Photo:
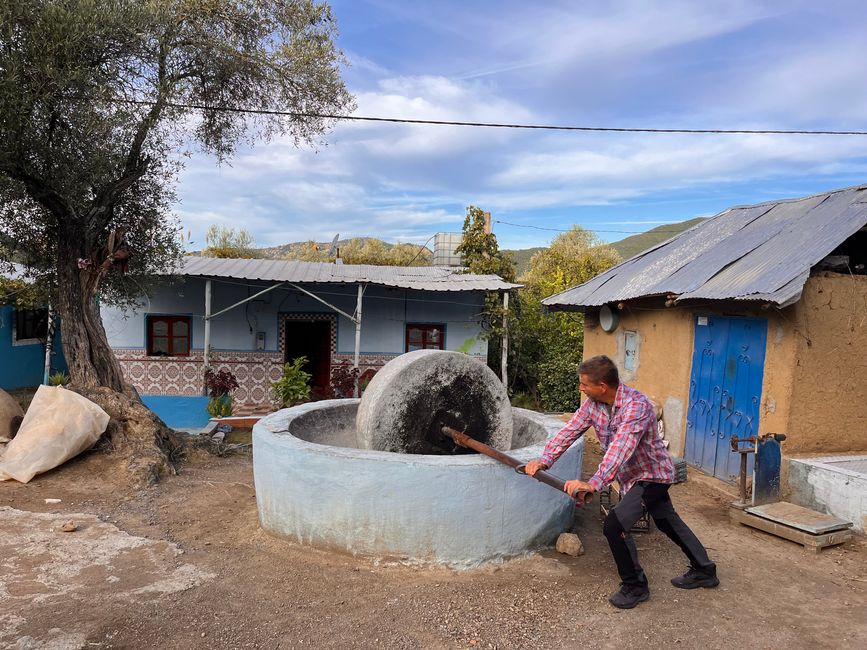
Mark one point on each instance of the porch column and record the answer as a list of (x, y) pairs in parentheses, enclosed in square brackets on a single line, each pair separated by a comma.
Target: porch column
[(207, 354), (505, 345), (355, 391)]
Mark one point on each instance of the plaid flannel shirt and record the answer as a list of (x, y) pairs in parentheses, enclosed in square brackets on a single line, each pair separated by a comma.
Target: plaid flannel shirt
[(629, 437)]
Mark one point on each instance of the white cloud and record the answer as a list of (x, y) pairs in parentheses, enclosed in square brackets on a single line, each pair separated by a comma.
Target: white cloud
[(637, 63), (315, 197), (819, 83), (544, 39), (639, 166), (414, 217)]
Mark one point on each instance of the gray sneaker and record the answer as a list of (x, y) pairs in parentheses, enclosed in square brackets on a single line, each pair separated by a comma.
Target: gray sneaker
[(695, 578), (629, 596)]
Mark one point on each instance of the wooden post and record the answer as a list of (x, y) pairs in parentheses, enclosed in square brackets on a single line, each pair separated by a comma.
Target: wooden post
[(207, 354)]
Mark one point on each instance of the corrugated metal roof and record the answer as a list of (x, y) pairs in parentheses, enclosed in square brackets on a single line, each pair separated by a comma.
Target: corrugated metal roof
[(758, 252), (422, 278)]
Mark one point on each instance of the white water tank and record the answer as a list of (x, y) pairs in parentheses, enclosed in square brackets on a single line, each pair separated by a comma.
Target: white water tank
[(445, 244)]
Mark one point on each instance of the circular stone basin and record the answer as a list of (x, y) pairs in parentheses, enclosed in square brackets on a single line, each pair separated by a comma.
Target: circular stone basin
[(314, 487)]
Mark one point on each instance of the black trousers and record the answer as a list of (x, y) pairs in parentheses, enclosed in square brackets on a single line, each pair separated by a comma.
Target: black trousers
[(652, 497)]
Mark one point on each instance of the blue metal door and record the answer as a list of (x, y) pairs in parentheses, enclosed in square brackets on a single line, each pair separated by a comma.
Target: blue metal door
[(725, 391)]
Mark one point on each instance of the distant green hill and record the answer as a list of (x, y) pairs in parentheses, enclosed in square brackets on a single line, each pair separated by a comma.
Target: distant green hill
[(635, 244), (522, 257), (627, 247), (280, 252)]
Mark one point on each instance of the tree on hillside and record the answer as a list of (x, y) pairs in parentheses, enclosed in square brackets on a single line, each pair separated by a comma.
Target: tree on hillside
[(572, 258), (96, 107), (365, 250), (547, 348), (409, 255), (309, 251), (226, 242)]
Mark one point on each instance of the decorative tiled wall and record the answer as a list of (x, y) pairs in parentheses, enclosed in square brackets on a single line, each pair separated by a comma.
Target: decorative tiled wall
[(255, 371)]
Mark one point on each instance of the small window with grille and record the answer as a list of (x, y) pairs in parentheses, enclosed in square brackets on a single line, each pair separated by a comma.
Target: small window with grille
[(168, 336), (31, 326)]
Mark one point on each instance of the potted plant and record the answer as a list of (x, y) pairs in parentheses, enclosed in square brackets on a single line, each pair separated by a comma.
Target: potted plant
[(294, 386), (220, 385)]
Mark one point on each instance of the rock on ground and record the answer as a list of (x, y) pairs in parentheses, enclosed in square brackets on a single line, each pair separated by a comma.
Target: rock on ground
[(570, 544)]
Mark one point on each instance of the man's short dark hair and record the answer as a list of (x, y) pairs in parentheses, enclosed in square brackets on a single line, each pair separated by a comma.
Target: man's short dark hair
[(600, 369)]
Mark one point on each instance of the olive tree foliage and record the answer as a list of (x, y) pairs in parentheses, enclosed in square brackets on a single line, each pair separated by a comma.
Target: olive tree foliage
[(100, 101), (226, 242), (546, 349)]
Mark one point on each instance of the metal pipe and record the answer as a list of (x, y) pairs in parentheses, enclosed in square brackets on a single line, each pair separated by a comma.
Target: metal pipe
[(324, 302), (542, 476), (239, 303), (49, 345)]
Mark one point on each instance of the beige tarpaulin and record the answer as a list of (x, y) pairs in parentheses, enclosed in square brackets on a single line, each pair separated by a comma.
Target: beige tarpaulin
[(58, 425)]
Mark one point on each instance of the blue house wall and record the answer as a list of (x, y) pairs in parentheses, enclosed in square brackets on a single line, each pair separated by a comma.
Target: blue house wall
[(22, 364), (386, 314)]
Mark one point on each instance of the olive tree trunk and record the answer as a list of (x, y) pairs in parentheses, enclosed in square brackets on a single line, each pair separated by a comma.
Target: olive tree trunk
[(135, 435)]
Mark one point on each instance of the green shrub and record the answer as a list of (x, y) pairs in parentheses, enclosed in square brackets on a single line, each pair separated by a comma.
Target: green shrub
[(221, 406), (558, 382), (294, 386), (58, 378)]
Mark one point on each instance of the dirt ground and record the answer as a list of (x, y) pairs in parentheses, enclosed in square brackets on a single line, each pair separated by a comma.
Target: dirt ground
[(185, 565)]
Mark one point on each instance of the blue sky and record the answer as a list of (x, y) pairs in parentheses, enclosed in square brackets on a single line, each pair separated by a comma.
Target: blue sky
[(727, 64)]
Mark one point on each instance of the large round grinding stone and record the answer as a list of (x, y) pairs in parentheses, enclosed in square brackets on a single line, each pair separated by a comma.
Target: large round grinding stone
[(408, 399)]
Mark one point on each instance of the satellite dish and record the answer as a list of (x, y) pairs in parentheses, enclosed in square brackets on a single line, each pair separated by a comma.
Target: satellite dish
[(609, 318), (333, 250)]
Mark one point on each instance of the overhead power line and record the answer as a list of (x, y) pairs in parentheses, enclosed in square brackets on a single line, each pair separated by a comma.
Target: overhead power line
[(492, 125)]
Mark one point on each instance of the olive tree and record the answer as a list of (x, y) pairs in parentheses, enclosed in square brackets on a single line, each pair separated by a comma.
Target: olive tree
[(99, 104), (547, 348)]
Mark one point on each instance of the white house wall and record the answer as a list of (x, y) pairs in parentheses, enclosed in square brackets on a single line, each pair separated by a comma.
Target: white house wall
[(385, 313)]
